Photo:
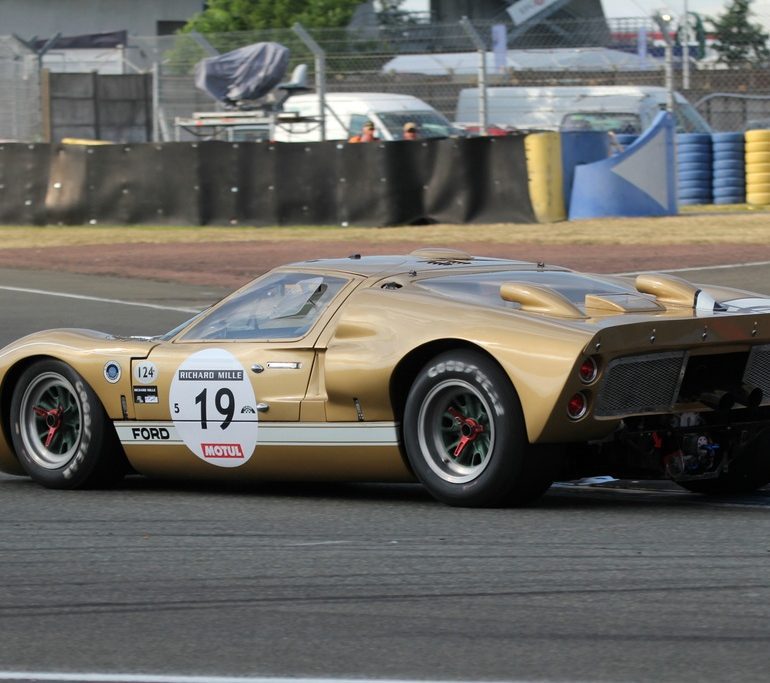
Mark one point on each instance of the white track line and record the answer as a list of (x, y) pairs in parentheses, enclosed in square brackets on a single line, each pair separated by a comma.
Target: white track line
[(99, 299), (172, 678), (685, 270)]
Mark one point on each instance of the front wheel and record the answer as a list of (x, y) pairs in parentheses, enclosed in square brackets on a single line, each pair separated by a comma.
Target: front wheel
[(465, 436), (60, 431)]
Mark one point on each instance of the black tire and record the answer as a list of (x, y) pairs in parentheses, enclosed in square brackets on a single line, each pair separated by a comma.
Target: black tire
[(60, 432), (748, 472), (465, 436)]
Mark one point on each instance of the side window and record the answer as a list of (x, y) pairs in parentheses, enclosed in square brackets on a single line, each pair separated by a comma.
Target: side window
[(280, 306)]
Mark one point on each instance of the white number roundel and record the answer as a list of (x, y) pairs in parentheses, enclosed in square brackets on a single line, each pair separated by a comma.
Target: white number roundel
[(146, 372), (213, 408)]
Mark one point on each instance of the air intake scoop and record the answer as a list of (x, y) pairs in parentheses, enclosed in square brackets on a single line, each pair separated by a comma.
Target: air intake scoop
[(536, 299), (668, 289)]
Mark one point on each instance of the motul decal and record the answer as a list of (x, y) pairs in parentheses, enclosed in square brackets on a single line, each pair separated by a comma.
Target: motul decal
[(222, 450)]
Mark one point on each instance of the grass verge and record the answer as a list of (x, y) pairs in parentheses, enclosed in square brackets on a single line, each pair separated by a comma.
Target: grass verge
[(695, 227)]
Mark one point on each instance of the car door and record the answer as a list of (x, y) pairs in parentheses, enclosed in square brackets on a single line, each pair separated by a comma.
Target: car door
[(247, 361)]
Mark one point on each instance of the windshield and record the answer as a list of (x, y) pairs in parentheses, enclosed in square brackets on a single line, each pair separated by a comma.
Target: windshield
[(282, 305), (605, 122), (430, 124), (688, 120)]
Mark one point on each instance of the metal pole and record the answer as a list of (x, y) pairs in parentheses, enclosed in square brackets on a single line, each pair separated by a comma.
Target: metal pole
[(156, 101), (96, 105), (686, 49), (482, 75), (320, 71), (664, 24), (669, 76)]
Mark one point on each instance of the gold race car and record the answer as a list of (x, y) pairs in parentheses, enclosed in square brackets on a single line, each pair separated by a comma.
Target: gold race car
[(484, 379)]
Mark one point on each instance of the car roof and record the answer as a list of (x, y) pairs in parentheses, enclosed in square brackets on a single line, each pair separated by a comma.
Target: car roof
[(421, 260), (368, 97)]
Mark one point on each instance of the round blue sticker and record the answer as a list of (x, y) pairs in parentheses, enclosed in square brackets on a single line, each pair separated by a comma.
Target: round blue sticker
[(112, 371)]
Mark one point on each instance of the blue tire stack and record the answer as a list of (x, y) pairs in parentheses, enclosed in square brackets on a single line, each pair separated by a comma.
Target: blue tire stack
[(694, 166), (729, 168)]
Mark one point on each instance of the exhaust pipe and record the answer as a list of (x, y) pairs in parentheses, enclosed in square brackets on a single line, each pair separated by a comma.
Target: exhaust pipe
[(718, 400), (749, 395)]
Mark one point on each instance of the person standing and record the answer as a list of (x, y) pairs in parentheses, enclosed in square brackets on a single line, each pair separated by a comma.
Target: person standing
[(366, 135), (411, 131)]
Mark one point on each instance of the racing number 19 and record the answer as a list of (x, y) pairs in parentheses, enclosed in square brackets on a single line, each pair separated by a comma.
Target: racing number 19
[(224, 407)]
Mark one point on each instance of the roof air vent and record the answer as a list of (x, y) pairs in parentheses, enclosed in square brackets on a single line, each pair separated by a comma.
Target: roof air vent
[(437, 254)]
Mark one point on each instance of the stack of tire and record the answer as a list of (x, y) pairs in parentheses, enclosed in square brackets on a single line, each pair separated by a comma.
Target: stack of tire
[(758, 167), (729, 174), (694, 167)]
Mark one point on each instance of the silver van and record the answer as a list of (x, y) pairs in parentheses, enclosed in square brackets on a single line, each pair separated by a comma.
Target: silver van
[(626, 109)]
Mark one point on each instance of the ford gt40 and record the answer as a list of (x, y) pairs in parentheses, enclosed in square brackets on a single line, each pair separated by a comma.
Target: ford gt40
[(484, 379)]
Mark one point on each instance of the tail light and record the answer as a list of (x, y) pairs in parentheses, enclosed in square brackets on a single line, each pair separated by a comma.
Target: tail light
[(577, 406), (588, 370)]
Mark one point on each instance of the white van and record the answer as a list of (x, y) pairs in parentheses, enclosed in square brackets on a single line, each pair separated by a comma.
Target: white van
[(347, 112), (620, 109)]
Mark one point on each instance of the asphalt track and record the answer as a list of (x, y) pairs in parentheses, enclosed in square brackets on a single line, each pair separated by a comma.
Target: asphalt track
[(629, 582)]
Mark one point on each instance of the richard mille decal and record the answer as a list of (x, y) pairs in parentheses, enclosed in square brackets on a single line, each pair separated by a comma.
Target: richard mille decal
[(146, 394)]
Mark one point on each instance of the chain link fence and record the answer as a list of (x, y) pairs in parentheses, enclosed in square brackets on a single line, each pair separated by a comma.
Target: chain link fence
[(432, 62), (20, 96)]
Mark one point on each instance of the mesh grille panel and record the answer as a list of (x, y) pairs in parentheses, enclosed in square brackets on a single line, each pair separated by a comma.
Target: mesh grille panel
[(640, 384), (758, 370)]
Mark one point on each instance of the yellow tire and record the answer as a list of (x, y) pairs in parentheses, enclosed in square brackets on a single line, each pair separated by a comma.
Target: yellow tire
[(758, 167), (757, 179), (752, 147), (758, 157), (758, 198), (544, 168), (757, 136), (757, 190)]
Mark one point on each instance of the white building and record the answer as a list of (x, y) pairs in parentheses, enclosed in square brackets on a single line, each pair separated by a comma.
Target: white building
[(46, 18)]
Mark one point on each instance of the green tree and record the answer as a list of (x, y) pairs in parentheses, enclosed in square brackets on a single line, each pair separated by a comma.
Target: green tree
[(224, 16), (738, 39)]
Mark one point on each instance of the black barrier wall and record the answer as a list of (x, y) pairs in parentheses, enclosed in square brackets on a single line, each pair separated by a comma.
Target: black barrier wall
[(474, 180)]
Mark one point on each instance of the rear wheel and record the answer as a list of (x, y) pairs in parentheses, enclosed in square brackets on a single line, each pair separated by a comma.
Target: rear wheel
[(60, 431), (748, 471), (465, 436)]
